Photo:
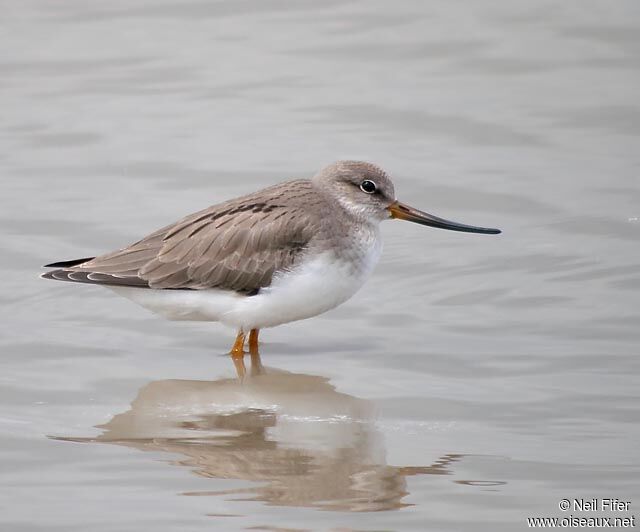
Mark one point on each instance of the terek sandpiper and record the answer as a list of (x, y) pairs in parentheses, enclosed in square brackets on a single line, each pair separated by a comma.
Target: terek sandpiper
[(284, 253)]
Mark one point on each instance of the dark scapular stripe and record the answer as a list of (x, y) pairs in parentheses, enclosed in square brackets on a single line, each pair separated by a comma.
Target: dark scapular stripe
[(68, 263)]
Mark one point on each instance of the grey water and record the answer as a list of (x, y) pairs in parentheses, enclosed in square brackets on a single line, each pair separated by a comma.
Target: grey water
[(473, 382)]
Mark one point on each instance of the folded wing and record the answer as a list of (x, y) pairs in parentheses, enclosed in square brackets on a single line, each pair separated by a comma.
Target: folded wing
[(238, 245)]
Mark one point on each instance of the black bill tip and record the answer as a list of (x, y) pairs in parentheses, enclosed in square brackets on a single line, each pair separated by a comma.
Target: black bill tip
[(402, 211)]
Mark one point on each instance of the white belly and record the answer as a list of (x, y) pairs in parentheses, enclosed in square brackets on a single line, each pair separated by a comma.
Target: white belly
[(190, 305), (318, 285)]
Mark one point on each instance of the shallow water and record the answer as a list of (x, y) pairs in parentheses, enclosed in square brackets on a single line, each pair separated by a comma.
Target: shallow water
[(473, 382)]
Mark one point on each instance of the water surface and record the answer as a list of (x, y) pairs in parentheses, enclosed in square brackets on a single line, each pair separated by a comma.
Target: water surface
[(473, 382)]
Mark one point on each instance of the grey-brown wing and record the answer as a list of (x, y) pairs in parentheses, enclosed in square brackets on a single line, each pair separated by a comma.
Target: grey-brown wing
[(237, 245)]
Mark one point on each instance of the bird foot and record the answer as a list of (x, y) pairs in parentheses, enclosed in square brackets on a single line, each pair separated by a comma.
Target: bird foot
[(237, 354)]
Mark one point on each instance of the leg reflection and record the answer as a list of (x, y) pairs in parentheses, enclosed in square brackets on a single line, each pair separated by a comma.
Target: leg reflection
[(256, 365)]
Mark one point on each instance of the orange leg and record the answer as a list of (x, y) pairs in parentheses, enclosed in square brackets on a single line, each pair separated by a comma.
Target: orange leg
[(256, 363), (238, 346), (253, 341), (237, 355)]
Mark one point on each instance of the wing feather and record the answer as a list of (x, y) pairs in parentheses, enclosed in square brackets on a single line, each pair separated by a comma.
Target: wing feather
[(237, 245)]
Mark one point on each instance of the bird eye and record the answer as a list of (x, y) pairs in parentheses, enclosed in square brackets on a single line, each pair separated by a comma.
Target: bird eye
[(368, 186)]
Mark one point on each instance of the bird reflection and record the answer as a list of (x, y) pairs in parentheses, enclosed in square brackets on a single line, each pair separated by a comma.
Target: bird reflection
[(304, 442)]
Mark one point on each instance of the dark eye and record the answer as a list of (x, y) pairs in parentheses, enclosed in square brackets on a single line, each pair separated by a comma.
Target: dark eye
[(368, 186)]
